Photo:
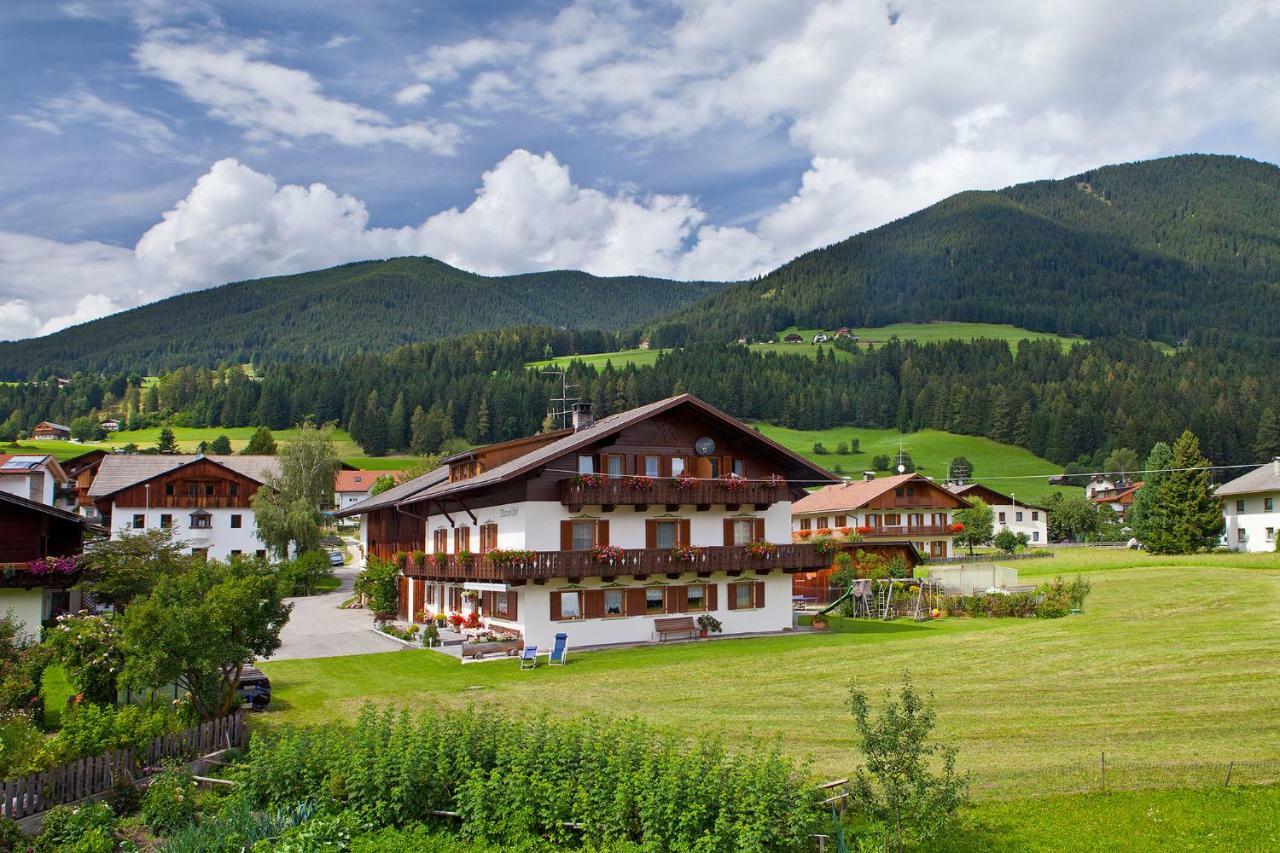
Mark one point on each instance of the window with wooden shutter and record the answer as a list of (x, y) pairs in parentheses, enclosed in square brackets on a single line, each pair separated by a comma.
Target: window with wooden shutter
[(728, 532), (566, 605), (582, 534), (555, 606), (842, 521), (593, 604), (634, 602), (685, 538), (806, 523), (655, 600), (758, 524), (695, 597), (743, 595), (602, 533), (759, 594), (440, 540), (676, 600), (614, 601), (488, 537), (461, 539), (712, 603), (651, 533)]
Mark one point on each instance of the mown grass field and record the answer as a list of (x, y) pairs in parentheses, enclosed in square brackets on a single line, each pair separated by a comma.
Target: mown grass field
[(932, 452), (1172, 670)]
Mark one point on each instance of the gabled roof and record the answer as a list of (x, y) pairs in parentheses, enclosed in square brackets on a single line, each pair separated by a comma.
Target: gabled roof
[(122, 470), (359, 481), (51, 511), (53, 425), (855, 494), (1265, 478), (397, 494), (1123, 495), (13, 464), (602, 429), (977, 490)]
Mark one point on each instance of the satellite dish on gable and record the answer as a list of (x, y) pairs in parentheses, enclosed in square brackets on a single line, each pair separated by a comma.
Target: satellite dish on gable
[(902, 469), (704, 446)]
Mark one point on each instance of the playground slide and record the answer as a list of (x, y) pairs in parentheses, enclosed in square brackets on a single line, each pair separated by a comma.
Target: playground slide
[(833, 605)]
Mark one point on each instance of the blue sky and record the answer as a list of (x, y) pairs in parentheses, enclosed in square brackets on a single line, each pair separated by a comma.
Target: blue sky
[(153, 147)]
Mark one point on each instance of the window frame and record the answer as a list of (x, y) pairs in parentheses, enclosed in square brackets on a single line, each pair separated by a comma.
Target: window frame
[(688, 598), (661, 600), (237, 521), (166, 520), (138, 522), (661, 524), (593, 537), (586, 463), (621, 592), (578, 605), (205, 521)]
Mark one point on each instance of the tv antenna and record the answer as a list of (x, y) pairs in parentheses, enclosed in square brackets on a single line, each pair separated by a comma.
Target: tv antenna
[(562, 412)]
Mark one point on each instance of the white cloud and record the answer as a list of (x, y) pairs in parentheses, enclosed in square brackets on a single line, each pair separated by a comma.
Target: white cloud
[(415, 93), (81, 106), (279, 104), (237, 223), (446, 62), (338, 40)]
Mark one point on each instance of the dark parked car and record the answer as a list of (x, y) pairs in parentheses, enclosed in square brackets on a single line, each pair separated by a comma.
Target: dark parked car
[(254, 688), (335, 558)]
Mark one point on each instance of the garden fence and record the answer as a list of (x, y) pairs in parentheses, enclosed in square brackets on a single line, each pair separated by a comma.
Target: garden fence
[(85, 777)]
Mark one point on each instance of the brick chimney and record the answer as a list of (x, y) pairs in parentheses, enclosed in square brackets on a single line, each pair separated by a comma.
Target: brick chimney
[(582, 417)]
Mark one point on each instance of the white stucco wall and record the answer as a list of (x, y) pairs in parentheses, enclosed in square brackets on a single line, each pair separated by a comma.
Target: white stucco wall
[(221, 539), (20, 485), (1254, 521), (27, 606), (346, 499), (1034, 522)]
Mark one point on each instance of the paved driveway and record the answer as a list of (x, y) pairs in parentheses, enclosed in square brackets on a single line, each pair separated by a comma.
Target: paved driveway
[(319, 628)]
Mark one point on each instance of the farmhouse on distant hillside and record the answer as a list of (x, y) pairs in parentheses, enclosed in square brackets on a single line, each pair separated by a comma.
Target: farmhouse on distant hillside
[(1119, 498), (1008, 512), (793, 338), (34, 588), (1250, 503), (351, 487), (110, 425), (908, 507), (204, 500), (820, 338), (620, 530), (48, 430)]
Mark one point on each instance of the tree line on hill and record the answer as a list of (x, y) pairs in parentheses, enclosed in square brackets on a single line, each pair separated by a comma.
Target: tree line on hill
[(1076, 407)]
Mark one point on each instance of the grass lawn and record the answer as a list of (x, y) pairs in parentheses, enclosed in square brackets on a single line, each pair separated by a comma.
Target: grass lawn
[(932, 451), (1070, 560), (1172, 671), (927, 333), (187, 437), (54, 691)]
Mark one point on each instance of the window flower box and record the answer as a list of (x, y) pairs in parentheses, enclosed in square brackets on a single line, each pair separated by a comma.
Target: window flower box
[(734, 483), (956, 527), (510, 557), (761, 549), (590, 480), (54, 566), (638, 483), (609, 554), (777, 480), (804, 534), (686, 553), (684, 481), (864, 529)]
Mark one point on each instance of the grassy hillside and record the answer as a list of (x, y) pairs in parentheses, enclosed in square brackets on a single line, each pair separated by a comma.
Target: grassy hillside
[(371, 306), (1151, 673), (932, 452), (1163, 250)]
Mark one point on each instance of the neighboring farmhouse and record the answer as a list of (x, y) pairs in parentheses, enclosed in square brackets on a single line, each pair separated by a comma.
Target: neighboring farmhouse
[(1007, 512), (608, 532), (1250, 503), (905, 507), (35, 476), (48, 430), (1119, 497), (351, 487), (204, 500)]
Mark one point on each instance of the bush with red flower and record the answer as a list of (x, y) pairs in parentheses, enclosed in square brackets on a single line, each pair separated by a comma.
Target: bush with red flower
[(457, 620), (955, 527), (608, 554), (864, 529), (824, 531), (590, 480), (686, 553), (473, 620)]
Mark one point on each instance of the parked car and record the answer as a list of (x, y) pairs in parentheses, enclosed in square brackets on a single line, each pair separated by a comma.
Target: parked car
[(335, 558), (254, 688)]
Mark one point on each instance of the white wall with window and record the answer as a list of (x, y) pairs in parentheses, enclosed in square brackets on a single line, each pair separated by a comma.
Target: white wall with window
[(220, 533), (1252, 521), (1021, 518)]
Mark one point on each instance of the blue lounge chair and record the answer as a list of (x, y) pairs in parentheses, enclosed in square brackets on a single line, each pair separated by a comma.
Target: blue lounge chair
[(529, 658), (560, 651)]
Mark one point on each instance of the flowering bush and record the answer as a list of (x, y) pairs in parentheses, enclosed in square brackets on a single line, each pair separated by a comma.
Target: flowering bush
[(688, 553), (63, 566), (824, 531), (845, 531), (637, 482), (955, 527), (590, 480), (825, 545), (609, 553), (473, 620), (760, 548), (457, 620), (684, 481), (710, 624), (88, 827), (88, 647), (169, 803)]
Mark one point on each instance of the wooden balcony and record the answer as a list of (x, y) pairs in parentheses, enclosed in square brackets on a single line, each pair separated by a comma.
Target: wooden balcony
[(643, 491), (194, 502), (634, 561), (904, 531)]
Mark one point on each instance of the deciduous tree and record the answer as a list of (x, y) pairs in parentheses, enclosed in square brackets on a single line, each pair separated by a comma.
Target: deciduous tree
[(979, 523), (288, 506)]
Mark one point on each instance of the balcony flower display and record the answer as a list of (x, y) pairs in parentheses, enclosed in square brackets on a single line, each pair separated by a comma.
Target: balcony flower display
[(760, 548), (776, 480), (638, 482), (864, 529), (684, 480), (825, 545), (824, 531), (804, 534), (686, 553), (590, 480), (845, 531), (955, 527), (734, 482), (609, 554), (61, 566)]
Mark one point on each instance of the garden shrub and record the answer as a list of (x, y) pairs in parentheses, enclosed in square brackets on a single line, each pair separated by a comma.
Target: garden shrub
[(87, 828), (94, 729), (23, 746), (304, 573), (169, 803), (123, 796), (380, 583), (517, 781), (88, 647), (11, 836)]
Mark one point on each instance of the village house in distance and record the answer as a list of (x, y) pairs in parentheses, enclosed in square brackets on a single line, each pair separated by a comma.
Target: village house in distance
[(613, 531), (1007, 512), (204, 500), (1251, 507), (905, 507)]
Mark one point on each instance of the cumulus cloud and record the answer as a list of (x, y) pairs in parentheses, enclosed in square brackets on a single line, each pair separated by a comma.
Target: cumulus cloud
[(237, 223), (279, 104)]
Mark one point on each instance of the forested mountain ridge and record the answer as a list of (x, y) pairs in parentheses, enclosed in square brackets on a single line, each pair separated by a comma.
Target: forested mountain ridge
[(323, 315), (1183, 247)]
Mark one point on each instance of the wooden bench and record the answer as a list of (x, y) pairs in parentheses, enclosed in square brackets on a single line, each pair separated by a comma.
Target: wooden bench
[(675, 625)]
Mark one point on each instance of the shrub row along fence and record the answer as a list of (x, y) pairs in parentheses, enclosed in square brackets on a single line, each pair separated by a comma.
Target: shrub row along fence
[(85, 777), (580, 782), (1031, 554)]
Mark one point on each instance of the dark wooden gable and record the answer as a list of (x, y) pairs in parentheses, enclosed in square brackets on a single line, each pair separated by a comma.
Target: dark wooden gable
[(230, 489)]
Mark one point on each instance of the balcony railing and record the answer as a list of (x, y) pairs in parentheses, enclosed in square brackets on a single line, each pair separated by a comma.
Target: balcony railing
[(632, 561), (902, 530), (626, 491), (197, 502)]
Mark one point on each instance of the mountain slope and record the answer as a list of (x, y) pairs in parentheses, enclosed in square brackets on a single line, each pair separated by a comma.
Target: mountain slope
[(319, 316), (1182, 247)]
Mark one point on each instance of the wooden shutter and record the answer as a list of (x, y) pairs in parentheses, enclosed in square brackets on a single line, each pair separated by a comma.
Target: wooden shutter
[(486, 602), (512, 610), (732, 589), (593, 604), (759, 593), (633, 601), (602, 533), (555, 607), (758, 533), (683, 540), (566, 536), (842, 521), (677, 599), (650, 533), (728, 531), (711, 597)]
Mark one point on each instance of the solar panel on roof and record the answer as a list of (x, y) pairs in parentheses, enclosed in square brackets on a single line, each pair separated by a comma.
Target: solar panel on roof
[(22, 463)]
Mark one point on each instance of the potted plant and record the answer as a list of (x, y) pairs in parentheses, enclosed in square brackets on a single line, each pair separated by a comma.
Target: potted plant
[(430, 635), (819, 622), (686, 553), (610, 554), (708, 624), (442, 619), (684, 480), (760, 548)]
